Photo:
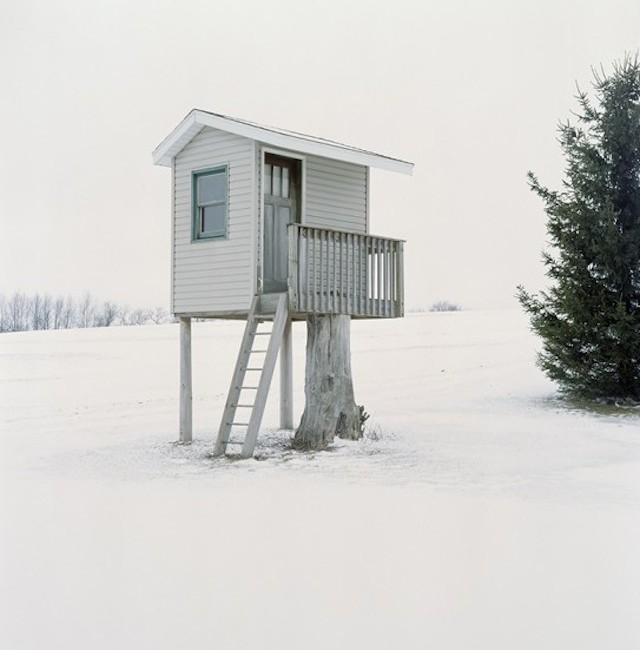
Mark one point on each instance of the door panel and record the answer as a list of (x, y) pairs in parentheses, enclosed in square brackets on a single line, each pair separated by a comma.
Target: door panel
[(280, 192)]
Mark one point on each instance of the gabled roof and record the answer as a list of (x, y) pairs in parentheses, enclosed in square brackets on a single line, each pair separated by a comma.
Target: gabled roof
[(193, 123)]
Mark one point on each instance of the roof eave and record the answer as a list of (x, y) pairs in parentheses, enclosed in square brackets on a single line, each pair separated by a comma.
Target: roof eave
[(196, 119)]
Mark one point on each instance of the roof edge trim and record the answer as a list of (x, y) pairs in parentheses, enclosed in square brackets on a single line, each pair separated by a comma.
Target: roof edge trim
[(196, 119)]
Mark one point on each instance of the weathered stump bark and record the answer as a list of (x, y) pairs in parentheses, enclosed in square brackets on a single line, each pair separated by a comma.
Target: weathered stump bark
[(330, 409)]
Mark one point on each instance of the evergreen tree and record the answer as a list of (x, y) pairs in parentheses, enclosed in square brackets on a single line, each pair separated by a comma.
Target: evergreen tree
[(589, 319)]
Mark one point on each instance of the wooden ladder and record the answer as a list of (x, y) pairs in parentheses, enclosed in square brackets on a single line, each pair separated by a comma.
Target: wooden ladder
[(257, 356)]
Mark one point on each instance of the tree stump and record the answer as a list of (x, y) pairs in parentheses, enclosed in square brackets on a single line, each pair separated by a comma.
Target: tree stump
[(330, 408)]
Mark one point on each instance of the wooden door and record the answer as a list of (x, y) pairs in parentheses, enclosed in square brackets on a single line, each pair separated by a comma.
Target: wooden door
[(280, 192)]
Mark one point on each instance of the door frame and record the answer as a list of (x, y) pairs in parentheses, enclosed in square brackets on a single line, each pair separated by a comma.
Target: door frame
[(303, 194)]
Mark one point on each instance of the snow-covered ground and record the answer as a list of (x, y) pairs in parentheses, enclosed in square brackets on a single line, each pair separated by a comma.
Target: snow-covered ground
[(479, 512)]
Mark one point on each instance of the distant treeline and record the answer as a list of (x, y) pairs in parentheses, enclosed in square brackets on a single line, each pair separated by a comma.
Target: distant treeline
[(22, 312)]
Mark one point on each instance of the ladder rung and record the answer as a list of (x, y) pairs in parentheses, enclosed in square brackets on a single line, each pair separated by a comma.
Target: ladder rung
[(258, 351), (242, 406), (248, 388), (262, 333), (253, 369), (239, 424)]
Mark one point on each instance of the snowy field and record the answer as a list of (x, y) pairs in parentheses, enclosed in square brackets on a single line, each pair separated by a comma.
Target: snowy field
[(479, 512)]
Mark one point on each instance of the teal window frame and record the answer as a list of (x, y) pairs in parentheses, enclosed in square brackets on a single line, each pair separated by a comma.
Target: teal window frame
[(197, 207)]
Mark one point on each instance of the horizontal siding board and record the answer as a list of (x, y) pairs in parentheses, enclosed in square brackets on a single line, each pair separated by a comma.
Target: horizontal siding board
[(197, 294), (219, 302), (325, 175), (206, 258), (336, 195), (214, 275), (335, 166), (208, 267), (209, 272), (333, 210)]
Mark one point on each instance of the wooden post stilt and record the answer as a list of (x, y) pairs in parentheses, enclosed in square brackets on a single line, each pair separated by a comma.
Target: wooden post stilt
[(186, 393), (286, 379)]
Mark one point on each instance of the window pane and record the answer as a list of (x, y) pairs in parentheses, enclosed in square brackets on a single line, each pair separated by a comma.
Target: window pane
[(212, 187), (285, 182), (213, 219), (267, 179), (276, 180)]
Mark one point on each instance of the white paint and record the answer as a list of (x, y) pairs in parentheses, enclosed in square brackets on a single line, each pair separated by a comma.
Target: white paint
[(219, 274), (186, 383), (286, 379), (336, 195)]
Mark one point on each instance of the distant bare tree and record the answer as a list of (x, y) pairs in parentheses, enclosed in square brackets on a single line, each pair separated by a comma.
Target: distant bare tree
[(68, 318), (46, 311), (158, 315), (138, 317), (86, 312), (34, 309), (108, 314), (57, 310), (18, 313), (123, 314), (4, 320)]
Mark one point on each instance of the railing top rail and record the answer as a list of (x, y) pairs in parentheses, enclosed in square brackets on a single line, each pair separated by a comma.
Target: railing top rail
[(345, 232)]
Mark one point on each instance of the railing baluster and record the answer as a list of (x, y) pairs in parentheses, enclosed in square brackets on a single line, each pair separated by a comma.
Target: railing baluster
[(316, 279), (344, 259), (334, 298), (392, 276), (357, 274), (323, 264), (312, 272), (342, 288), (400, 276), (304, 261), (372, 276), (328, 294), (294, 291), (370, 271), (385, 268), (351, 274), (366, 260), (320, 261)]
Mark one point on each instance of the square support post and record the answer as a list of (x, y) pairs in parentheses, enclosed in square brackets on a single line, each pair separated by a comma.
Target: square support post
[(286, 379), (186, 391)]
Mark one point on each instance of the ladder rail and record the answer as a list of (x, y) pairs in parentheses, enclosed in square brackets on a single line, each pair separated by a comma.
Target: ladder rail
[(280, 318), (236, 381), (277, 332)]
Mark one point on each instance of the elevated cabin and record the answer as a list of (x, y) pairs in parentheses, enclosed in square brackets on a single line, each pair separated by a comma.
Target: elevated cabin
[(269, 224), (258, 210)]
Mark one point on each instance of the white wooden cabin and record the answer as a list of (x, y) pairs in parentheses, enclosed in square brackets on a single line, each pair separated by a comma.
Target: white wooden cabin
[(258, 213)]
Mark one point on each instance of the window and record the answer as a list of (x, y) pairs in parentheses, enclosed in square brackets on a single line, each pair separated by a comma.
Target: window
[(209, 189)]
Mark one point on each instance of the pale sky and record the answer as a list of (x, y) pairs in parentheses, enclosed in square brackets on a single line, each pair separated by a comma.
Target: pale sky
[(471, 92)]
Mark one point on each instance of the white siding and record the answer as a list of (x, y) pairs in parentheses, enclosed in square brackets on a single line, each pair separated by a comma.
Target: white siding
[(336, 195), (215, 275)]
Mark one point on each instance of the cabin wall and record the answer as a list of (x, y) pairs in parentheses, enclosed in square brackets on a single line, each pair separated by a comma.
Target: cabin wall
[(336, 195), (215, 276)]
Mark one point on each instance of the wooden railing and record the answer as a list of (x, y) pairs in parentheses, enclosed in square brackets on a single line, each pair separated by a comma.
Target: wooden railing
[(339, 272)]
